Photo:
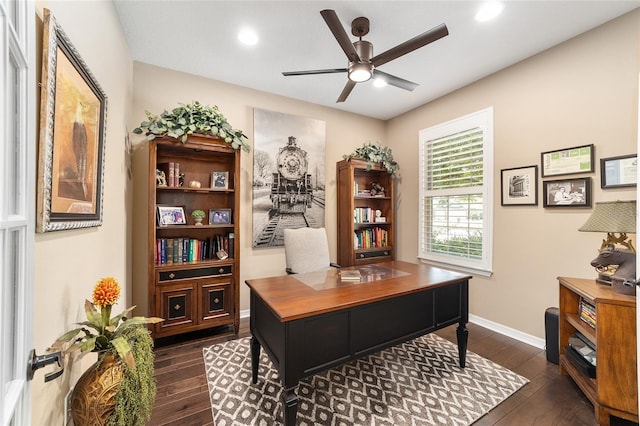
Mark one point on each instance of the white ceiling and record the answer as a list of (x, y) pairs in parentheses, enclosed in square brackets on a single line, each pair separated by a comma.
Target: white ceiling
[(200, 37)]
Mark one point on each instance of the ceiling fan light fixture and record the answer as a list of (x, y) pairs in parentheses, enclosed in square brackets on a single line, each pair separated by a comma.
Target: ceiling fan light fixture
[(360, 71)]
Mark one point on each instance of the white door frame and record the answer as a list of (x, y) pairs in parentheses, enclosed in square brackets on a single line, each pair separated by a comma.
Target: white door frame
[(17, 205)]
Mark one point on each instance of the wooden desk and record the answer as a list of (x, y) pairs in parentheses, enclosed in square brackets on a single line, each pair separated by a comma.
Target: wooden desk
[(311, 322)]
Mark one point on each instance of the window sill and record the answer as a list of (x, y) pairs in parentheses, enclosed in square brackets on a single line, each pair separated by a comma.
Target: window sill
[(459, 268)]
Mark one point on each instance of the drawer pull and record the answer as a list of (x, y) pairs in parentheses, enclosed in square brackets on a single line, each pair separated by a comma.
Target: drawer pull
[(216, 300), (221, 270), (172, 275), (177, 307)]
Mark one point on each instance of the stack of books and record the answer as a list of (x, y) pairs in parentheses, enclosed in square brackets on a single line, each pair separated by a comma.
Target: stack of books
[(588, 312), (349, 275)]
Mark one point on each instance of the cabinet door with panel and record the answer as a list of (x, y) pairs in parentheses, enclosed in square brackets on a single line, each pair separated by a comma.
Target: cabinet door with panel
[(366, 213), (193, 265)]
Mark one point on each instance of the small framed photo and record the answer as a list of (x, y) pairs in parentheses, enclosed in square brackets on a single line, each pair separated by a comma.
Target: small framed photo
[(568, 161), (618, 172), (519, 186), (171, 215), (219, 216), (567, 193), (220, 180)]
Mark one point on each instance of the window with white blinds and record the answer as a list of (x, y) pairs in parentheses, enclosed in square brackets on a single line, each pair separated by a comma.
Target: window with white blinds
[(456, 193)]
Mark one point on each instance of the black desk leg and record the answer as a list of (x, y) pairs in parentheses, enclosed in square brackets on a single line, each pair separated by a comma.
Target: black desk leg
[(289, 406), (463, 335), (255, 358)]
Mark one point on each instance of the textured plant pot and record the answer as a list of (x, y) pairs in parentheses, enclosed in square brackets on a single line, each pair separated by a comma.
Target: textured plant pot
[(93, 398)]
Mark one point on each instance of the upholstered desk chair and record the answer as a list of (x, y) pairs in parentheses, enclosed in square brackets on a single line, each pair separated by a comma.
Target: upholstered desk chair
[(306, 250)]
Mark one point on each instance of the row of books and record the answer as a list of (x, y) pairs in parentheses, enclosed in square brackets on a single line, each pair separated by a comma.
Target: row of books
[(370, 238), (364, 215), (588, 312), (188, 250), (171, 171)]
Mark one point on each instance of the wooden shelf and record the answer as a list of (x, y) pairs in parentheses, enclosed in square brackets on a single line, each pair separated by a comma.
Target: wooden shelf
[(614, 391), (187, 189)]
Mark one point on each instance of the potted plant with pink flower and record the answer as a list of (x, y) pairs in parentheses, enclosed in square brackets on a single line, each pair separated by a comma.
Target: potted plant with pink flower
[(125, 357)]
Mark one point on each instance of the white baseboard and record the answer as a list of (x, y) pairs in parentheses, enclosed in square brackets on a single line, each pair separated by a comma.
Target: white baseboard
[(508, 331), (493, 326)]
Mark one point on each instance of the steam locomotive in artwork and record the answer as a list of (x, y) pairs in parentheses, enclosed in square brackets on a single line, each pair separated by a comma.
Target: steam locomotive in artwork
[(291, 190)]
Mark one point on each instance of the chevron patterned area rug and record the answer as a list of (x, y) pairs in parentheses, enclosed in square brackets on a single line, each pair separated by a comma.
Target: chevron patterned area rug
[(415, 383)]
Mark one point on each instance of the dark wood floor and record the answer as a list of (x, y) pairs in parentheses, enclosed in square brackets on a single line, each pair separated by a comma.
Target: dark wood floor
[(548, 399)]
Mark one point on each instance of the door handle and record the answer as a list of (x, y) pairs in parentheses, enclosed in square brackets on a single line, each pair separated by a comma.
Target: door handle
[(38, 361)]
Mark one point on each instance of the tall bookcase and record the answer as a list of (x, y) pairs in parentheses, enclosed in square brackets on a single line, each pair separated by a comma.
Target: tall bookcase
[(188, 284), (362, 237)]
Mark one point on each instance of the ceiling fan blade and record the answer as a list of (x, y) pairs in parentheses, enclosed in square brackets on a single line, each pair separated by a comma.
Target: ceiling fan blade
[(395, 81), (331, 18), (345, 92), (311, 72), (408, 46)]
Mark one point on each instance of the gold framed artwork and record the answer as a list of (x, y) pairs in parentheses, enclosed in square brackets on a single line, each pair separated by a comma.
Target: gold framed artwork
[(73, 113)]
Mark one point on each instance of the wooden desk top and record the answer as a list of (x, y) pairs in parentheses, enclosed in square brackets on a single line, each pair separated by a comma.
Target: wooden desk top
[(290, 298)]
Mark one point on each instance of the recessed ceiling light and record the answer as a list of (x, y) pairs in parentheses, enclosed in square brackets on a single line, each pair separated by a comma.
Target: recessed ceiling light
[(489, 11), (248, 37)]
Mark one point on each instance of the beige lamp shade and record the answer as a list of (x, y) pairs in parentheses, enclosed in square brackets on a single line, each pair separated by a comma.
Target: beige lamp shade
[(612, 216)]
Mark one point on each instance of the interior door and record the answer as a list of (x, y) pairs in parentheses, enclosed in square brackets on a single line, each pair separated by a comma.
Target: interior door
[(17, 205)]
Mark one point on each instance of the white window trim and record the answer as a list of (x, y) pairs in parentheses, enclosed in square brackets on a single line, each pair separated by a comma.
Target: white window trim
[(484, 120)]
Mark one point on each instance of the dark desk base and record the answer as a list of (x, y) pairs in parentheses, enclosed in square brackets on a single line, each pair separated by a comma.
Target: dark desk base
[(305, 346)]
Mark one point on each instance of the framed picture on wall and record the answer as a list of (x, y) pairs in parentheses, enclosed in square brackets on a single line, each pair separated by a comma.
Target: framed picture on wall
[(567, 192), (619, 172), (73, 112), (519, 186), (567, 161)]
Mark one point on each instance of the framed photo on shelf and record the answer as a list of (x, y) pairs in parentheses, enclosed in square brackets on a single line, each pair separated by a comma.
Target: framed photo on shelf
[(219, 216), (567, 193), (618, 172), (171, 215), (73, 112), (568, 161), (220, 180), (519, 186)]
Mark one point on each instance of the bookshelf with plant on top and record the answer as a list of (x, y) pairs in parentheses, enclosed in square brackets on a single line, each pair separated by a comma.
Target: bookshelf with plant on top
[(366, 212), (193, 219)]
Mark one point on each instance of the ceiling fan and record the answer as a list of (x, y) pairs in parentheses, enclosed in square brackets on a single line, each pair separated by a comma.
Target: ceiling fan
[(361, 65)]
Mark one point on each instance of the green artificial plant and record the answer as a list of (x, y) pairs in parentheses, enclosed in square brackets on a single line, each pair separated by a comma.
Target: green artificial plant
[(137, 392), (374, 153), (189, 119), (198, 214)]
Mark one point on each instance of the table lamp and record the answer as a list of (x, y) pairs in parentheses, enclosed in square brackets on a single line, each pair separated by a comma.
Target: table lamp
[(616, 218)]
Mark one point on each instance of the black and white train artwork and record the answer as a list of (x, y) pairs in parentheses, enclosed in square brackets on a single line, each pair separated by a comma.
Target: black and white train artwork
[(288, 175)]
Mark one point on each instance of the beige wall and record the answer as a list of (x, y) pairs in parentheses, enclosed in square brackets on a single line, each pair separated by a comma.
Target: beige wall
[(584, 91), (69, 263), (157, 89)]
